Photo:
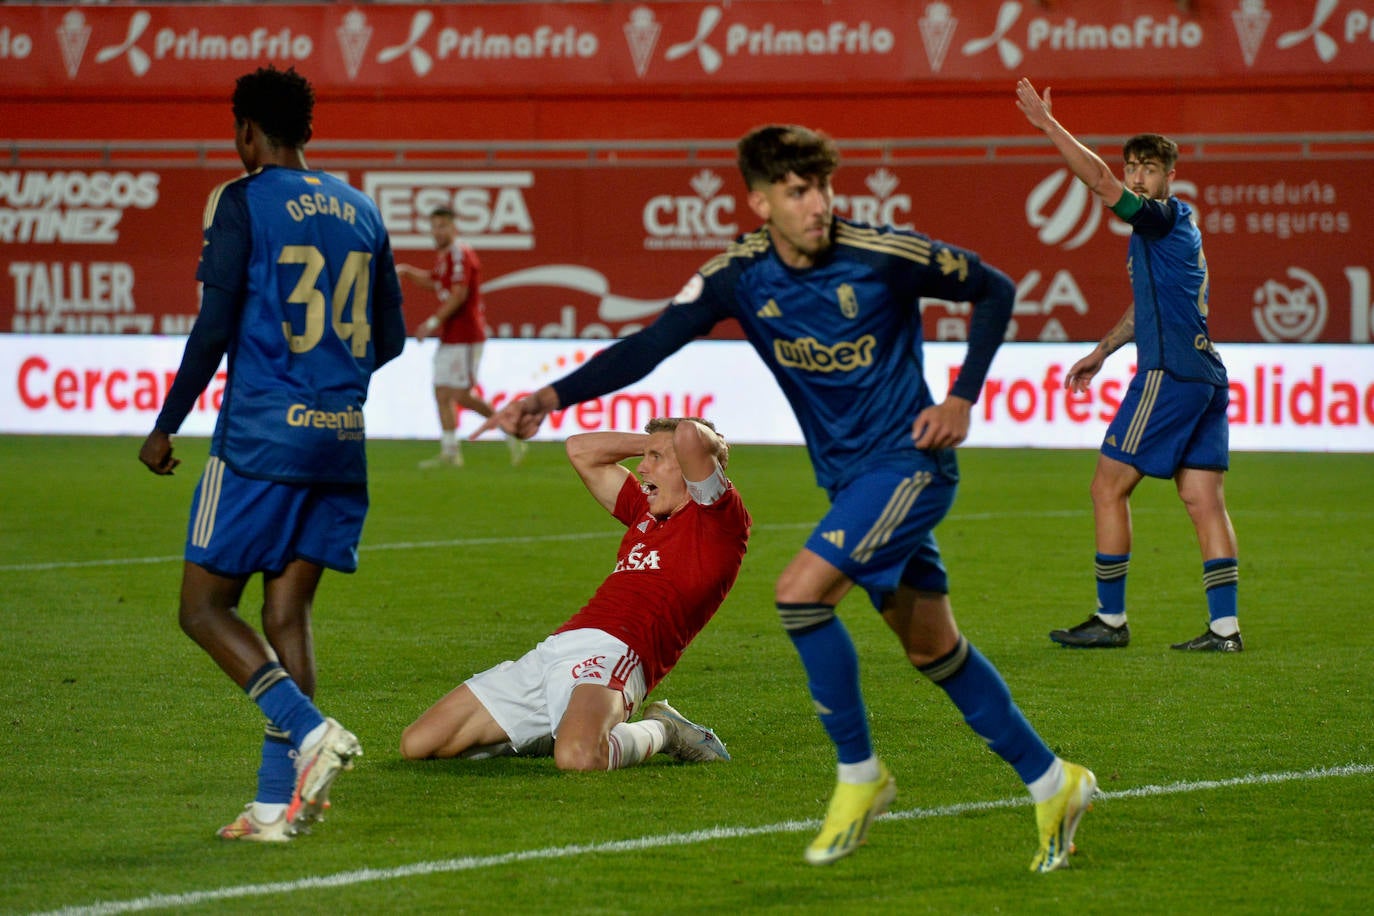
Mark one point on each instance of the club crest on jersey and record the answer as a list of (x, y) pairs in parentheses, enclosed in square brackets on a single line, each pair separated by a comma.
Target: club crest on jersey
[(849, 303), (950, 263)]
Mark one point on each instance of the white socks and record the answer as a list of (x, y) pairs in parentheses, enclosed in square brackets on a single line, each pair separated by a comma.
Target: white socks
[(1225, 626), (1049, 783), (635, 742), (861, 772), (265, 813), (315, 734)]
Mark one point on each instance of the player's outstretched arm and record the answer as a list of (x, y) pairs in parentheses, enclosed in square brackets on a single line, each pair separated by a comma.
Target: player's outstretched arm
[(1083, 162), (596, 457), (521, 418), (411, 272)]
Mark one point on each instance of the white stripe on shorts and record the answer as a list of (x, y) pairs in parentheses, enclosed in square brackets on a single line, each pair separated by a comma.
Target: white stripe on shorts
[(210, 483)]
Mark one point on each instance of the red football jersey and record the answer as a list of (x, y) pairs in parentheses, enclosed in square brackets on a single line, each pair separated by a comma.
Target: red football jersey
[(670, 576), (458, 264)]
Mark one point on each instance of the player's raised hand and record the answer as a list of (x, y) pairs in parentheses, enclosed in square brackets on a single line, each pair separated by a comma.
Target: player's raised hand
[(1036, 109), (156, 453), (943, 425)]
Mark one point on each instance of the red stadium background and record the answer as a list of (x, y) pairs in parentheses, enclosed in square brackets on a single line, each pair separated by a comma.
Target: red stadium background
[(587, 146)]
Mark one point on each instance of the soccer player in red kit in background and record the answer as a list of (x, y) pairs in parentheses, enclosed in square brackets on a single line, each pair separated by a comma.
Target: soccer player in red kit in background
[(460, 323)]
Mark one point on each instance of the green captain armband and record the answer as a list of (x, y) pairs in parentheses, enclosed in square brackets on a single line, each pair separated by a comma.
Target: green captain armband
[(1129, 204)]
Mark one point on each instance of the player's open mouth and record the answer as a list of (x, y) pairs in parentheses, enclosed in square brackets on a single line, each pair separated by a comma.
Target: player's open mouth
[(647, 488)]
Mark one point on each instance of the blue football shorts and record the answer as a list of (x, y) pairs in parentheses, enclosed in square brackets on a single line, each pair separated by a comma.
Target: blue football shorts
[(1165, 424), (240, 525), (879, 531)]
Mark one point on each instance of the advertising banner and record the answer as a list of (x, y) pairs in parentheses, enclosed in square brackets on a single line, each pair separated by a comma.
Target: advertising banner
[(1283, 398), (160, 50), (593, 251)]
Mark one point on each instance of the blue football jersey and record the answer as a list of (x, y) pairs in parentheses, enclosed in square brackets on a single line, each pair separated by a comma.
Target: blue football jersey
[(1169, 283), (310, 262), (843, 338)]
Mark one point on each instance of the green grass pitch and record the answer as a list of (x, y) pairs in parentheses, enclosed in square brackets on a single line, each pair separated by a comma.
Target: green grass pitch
[(1240, 784)]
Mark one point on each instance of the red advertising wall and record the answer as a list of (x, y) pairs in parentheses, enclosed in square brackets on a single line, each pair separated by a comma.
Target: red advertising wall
[(575, 247), (629, 69), (595, 251)]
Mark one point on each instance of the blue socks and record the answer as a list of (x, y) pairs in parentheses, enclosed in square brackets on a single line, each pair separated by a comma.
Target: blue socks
[(972, 683), (1221, 579), (282, 702), (277, 772), (1111, 582), (982, 696), (832, 672)]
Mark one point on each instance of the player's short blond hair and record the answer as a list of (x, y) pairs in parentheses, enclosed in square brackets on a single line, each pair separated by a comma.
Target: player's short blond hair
[(719, 450)]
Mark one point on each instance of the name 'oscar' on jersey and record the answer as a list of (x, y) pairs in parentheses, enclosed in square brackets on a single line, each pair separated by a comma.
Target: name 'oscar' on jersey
[(843, 338), (309, 259)]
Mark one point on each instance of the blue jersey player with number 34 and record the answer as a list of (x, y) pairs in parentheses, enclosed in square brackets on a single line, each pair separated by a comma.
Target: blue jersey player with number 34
[(300, 290), (833, 308)]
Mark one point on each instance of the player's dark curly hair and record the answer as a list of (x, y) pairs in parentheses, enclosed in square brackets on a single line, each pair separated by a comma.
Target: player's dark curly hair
[(281, 102), (768, 154), (1152, 146)]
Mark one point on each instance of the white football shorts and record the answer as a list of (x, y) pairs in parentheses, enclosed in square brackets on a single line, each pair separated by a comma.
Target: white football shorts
[(455, 365), (529, 697)]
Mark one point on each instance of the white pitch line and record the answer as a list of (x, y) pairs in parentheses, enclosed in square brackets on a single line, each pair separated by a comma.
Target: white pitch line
[(489, 541), (472, 863), (588, 535), (398, 545)]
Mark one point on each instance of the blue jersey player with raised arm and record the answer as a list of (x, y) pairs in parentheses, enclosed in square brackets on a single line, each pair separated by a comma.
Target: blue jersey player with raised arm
[(300, 290), (1172, 422), (833, 308)]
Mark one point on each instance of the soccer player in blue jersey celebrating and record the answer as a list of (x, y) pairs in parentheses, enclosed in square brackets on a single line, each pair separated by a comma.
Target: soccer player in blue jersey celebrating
[(1172, 422), (300, 290), (833, 308)]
